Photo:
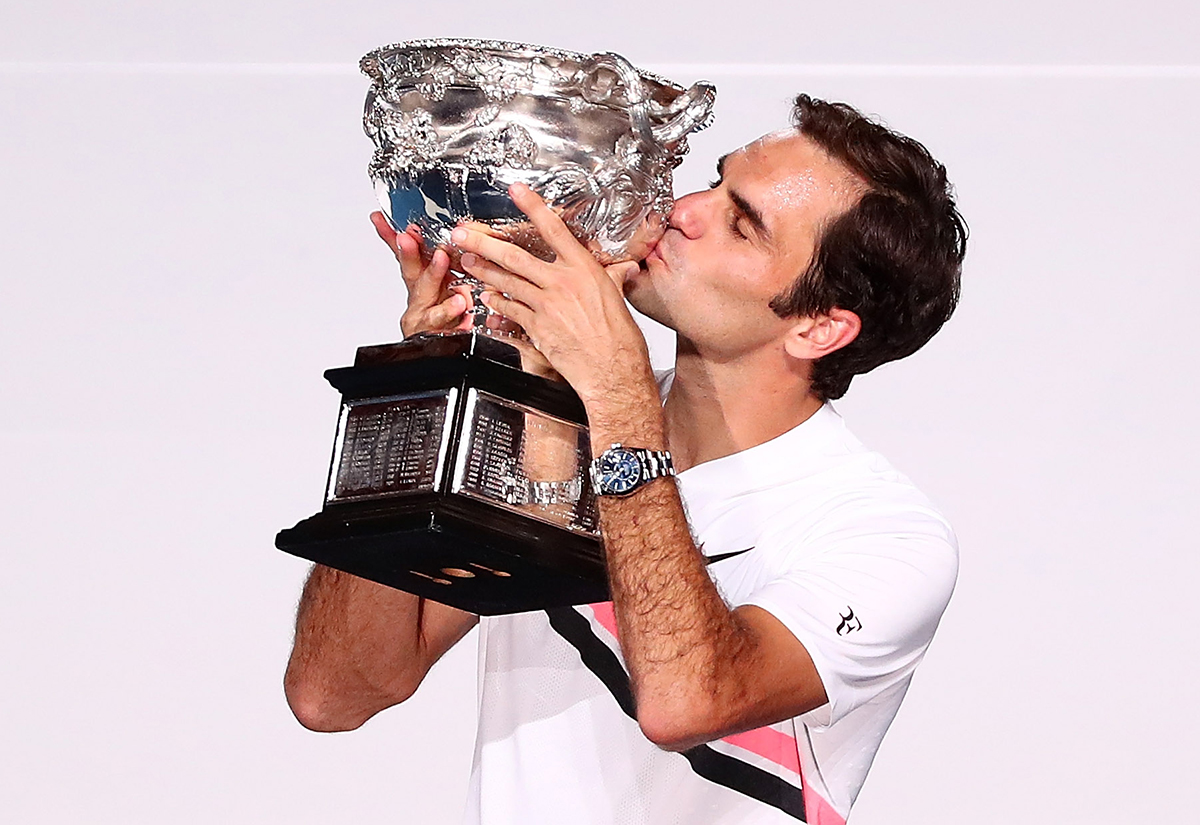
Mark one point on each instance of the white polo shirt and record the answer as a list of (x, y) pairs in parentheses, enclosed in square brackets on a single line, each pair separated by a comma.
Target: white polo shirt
[(839, 546)]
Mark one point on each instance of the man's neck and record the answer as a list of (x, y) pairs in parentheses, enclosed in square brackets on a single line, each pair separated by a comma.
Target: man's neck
[(715, 409)]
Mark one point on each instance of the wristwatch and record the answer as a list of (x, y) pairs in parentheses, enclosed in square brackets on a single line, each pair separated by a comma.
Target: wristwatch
[(619, 471)]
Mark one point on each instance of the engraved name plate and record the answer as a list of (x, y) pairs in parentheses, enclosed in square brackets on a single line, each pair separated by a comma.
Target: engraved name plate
[(390, 446), (525, 461)]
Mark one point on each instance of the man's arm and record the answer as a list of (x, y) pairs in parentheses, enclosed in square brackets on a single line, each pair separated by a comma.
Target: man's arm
[(361, 647), (699, 669)]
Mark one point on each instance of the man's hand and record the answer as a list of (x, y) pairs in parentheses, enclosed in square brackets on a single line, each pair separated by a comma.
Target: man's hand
[(427, 279), (573, 309)]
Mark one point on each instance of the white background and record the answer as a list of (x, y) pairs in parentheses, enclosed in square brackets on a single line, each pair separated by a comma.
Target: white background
[(184, 248)]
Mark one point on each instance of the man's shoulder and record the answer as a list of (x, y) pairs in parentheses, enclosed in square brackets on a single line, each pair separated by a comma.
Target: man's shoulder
[(851, 498), (858, 492), (813, 490)]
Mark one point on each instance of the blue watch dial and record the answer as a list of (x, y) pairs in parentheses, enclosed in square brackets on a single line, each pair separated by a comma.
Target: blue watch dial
[(619, 471)]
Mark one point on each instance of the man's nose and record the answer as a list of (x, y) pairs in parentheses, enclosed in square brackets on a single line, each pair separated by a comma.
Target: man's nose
[(688, 214)]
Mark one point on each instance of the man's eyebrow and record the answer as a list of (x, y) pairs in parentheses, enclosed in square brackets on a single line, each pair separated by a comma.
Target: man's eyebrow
[(752, 214)]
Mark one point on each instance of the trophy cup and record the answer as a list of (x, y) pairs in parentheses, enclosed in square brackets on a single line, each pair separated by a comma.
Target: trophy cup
[(460, 464)]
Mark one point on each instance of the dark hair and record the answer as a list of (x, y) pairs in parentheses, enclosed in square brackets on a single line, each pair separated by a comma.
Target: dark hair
[(894, 258)]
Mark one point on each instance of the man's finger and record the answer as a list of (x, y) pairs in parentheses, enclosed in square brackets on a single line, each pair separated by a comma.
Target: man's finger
[(508, 307), (450, 314), (426, 288), (622, 272), (414, 232), (408, 253), (383, 229), (500, 280), (504, 254), (448, 311), (549, 225)]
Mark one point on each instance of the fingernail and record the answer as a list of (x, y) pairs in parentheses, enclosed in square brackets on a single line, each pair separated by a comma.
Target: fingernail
[(469, 259), (458, 235), (485, 298)]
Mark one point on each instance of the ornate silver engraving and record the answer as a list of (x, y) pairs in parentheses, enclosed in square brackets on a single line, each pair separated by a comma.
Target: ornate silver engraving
[(455, 122), (511, 146)]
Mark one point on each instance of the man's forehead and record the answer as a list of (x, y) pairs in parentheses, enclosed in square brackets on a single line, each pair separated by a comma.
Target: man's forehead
[(797, 170), (768, 141), (774, 137)]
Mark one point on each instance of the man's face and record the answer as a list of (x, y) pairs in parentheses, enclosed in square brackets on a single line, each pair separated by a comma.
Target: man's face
[(731, 249)]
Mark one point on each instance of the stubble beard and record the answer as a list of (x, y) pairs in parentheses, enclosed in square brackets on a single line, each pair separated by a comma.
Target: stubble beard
[(643, 295)]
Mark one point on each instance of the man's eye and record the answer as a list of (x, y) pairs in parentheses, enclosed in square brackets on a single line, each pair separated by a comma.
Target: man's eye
[(735, 227)]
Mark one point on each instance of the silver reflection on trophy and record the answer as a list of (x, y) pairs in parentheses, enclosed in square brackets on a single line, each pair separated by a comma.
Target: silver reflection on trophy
[(456, 122)]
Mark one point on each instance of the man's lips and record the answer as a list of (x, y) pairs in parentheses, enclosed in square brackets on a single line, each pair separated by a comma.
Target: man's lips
[(656, 252)]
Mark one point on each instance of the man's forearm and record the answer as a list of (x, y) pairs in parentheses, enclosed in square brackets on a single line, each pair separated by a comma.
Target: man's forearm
[(682, 644), (361, 647)]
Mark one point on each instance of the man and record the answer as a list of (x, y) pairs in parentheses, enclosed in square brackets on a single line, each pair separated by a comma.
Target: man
[(771, 602)]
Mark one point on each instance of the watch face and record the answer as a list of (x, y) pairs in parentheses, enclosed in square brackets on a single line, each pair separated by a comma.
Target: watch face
[(619, 472)]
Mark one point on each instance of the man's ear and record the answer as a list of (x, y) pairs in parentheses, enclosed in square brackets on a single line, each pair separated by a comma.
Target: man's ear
[(812, 338)]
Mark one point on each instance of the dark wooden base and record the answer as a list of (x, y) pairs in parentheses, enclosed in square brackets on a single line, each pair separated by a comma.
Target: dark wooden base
[(455, 551)]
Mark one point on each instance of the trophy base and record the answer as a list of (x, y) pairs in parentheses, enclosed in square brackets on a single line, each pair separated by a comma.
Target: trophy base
[(455, 552), (436, 485)]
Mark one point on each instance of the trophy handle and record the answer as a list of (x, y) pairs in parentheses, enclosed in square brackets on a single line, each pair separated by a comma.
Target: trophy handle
[(656, 124), (691, 110), (597, 89)]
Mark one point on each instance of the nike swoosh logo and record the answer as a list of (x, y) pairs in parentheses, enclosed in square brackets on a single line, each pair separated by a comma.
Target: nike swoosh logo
[(723, 556)]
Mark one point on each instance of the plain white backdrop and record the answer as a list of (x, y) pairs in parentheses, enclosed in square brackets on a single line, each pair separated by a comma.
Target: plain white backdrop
[(184, 247)]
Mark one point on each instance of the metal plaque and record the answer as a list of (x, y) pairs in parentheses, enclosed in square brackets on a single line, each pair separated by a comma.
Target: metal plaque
[(390, 446), (525, 461)]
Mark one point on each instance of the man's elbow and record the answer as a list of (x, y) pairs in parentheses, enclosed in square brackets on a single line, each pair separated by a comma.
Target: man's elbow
[(676, 729), (319, 715), (676, 741), (323, 710)]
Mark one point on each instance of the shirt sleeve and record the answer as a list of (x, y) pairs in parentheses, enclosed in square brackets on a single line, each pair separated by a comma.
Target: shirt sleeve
[(864, 598)]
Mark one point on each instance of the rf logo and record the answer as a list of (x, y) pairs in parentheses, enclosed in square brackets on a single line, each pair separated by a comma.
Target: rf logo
[(849, 623)]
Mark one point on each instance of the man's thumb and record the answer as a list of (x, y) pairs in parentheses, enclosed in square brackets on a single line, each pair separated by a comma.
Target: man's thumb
[(622, 272)]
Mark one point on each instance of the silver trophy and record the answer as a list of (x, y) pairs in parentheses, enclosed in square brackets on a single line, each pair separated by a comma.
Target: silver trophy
[(460, 462)]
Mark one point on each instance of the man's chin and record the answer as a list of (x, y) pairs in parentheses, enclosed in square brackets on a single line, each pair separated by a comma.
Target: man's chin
[(641, 296)]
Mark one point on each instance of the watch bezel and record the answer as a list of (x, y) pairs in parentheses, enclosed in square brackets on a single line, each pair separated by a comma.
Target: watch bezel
[(604, 482)]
